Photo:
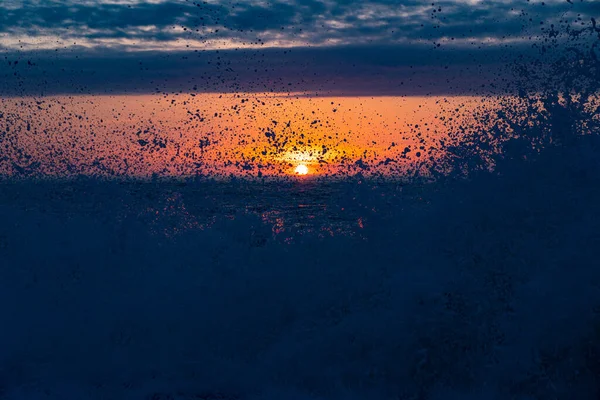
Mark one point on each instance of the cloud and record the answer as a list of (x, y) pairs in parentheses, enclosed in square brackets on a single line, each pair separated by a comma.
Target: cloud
[(134, 25), (342, 46), (336, 70)]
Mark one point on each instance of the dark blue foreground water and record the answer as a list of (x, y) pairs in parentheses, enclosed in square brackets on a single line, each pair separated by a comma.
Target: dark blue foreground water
[(487, 288)]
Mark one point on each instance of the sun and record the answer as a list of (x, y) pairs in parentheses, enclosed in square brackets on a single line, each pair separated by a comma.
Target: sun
[(301, 169)]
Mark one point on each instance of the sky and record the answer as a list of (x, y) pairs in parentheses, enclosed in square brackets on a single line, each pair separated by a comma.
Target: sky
[(180, 87), (217, 134), (371, 47)]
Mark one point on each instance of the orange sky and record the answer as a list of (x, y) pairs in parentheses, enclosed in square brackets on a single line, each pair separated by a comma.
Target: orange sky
[(222, 134)]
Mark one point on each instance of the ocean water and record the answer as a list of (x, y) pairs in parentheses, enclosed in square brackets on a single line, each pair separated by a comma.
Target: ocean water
[(289, 207), (486, 288)]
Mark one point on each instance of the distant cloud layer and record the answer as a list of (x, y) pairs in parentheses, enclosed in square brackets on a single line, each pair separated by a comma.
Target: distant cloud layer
[(176, 24), (338, 46)]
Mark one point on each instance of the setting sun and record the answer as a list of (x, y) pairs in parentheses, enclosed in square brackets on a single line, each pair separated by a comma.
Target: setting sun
[(301, 169)]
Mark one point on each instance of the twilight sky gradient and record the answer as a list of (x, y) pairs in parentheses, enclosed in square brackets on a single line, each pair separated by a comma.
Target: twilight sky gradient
[(345, 47), (177, 87)]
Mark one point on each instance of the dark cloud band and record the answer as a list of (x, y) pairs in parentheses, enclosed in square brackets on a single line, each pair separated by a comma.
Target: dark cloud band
[(372, 47)]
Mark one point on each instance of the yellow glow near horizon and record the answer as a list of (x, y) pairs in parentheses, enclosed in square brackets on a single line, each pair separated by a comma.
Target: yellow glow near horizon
[(212, 133), (301, 169)]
